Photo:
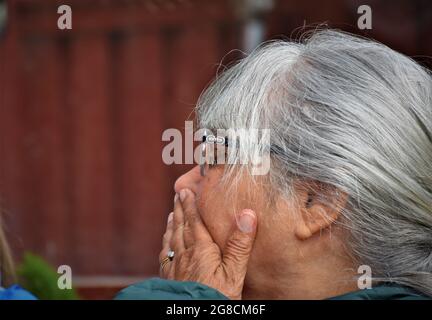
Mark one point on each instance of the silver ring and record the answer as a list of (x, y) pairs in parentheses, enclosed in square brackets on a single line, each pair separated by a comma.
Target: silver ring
[(170, 255)]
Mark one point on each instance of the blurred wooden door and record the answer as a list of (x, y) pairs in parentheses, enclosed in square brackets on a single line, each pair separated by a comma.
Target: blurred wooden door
[(81, 120)]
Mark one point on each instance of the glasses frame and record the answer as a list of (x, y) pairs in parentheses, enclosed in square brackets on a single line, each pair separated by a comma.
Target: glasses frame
[(223, 140), (206, 140)]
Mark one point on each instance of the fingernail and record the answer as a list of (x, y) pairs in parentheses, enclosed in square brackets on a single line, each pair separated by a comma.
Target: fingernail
[(182, 195), (246, 221), (170, 217), (175, 198)]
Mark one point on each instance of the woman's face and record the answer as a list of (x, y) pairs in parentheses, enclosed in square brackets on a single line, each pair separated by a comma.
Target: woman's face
[(277, 251), (217, 206), (210, 200)]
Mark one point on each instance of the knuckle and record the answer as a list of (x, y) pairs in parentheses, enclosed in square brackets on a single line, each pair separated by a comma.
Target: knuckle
[(187, 231), (176, 239), (179, 227), (189, 207), (194, 218), (166, 236), (188, 211), (238, 246), (172, 243)]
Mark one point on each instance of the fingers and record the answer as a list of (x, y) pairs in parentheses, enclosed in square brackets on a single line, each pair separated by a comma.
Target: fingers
[(168, 232), (194, 229), (163, 271), (239, 245), (166, 240), (165, 268), (177, 242)]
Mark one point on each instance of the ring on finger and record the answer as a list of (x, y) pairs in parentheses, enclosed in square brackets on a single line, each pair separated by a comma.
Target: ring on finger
[(170, 255), (164, 262)]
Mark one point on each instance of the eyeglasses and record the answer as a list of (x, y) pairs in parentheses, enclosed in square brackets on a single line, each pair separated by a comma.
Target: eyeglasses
[(208, 156)]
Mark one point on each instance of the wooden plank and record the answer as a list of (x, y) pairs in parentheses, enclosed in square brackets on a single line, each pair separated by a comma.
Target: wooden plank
[(92, 161), (13, 175), (91, 16), (142, 206), (44, 146)]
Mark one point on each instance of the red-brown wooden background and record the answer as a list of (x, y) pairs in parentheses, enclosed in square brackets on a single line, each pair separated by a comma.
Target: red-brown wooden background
[(82, 113)]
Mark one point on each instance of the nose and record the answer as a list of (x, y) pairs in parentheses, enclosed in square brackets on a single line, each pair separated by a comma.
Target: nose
[(189, 180)]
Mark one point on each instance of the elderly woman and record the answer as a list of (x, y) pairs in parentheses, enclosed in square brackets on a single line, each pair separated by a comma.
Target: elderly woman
[(347, 201)]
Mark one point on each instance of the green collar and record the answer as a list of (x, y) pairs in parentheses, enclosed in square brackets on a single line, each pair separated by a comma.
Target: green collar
[(386, 291)]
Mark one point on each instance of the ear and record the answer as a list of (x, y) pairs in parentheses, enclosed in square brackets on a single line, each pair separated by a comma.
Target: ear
[(320, 206)]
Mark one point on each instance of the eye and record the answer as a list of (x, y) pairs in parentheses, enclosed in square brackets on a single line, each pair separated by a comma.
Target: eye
[(309, 200), (213, 162)]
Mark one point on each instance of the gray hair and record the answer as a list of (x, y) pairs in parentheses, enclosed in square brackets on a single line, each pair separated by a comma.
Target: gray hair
[(351, 113)]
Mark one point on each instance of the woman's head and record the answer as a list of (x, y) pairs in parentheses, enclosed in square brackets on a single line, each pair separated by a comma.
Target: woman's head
[(351, 121)]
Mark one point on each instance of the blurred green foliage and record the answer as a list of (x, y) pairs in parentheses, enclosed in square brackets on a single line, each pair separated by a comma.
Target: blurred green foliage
[(40, 278)]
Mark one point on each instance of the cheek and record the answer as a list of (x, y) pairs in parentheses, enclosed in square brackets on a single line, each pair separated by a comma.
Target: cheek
[(215, 213)]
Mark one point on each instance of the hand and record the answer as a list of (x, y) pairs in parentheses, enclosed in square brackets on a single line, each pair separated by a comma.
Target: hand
[(198, 258)]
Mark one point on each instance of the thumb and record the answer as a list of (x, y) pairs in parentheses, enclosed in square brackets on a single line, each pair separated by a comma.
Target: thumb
[(239, 245)]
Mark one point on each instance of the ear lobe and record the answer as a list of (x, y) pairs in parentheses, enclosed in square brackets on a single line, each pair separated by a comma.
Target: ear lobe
[(313, 220), (317, 215), (303, 231)]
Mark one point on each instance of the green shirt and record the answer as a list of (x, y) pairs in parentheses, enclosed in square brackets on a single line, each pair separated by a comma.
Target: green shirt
[(161, 289)]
